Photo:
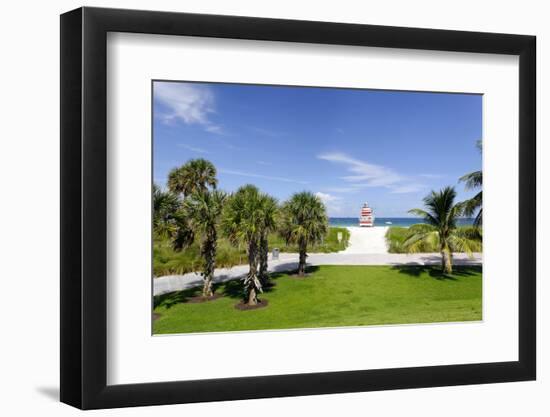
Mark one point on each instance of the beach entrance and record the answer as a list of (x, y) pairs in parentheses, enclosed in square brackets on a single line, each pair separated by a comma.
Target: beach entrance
[(365, 240)]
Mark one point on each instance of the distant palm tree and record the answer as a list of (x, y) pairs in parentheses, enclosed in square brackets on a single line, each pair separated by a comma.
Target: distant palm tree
[(169, 221), (474, 180), (195, 176), (165, 205), (203, 209), (303, 222), (243, 222), (269, 213), (441, 229)]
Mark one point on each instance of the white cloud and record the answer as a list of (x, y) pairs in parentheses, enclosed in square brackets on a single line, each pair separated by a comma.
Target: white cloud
[(191, 103), (332, 202), (325, 197), (265, 177), (431, 176), (408, 188), (192, 148), (214, 129), (340, 189), (365, 174)]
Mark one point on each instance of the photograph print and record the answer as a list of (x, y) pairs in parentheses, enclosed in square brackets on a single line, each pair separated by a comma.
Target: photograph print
[(295, 207)]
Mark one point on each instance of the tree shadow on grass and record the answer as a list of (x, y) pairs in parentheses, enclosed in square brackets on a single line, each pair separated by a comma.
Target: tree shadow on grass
[(170, 299), (435, 271), (232, 289), (310, 269)]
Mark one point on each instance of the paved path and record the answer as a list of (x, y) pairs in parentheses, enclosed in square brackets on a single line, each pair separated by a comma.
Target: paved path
[(289, 261)]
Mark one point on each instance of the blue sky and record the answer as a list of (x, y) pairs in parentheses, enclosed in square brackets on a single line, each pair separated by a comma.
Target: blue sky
[(348, 146)]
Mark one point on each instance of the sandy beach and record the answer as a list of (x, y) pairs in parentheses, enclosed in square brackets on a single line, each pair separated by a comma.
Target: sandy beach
[(367, 240)]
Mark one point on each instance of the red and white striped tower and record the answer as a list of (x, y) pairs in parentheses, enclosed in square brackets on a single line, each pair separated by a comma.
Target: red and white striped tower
[(366, 218)]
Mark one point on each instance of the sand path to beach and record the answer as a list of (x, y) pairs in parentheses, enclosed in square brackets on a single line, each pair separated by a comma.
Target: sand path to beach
[(367, 240)]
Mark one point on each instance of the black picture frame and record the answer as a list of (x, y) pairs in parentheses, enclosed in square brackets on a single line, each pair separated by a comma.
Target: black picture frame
[(84, 207)]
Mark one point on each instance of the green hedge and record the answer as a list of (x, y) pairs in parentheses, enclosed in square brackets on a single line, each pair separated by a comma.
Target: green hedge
[(396, 236), (166, 261)]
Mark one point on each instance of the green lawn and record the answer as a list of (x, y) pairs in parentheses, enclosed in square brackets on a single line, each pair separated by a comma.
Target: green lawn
[(332, 296), (166, 261)]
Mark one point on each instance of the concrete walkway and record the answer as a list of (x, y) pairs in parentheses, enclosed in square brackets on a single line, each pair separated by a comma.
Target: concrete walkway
[(289, 261)]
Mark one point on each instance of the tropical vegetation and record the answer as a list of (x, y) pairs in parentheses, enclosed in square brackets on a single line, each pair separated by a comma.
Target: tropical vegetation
[(167, 261), (474, 181), (191, 205), (203, 209), (269, 211), (247, 217), (303, 222), (195, 176), (165, 205), (396, 236), (197, 227), (440, 230)]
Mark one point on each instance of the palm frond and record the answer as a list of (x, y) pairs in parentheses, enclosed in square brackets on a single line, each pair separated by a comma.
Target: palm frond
[(472, 180), (303, 219), (196, 175), (473, 204), (478, 221), (462, 244), (425, 215), (419, 237)]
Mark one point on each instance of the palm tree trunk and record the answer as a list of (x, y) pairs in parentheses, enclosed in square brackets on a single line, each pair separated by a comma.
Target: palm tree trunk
[(264, 277), (448, 265), (251, 279), (446, 261), (207, 288), (252, 300), (302, 263), (209, 254)]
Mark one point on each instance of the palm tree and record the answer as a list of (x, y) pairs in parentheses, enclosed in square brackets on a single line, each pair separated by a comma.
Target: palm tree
[(474, 180), (203, 209), (303, 222), (169, 220), (182, 234), (441, 229), (165, 205), (195, 176), (243, 222), (269, 222)]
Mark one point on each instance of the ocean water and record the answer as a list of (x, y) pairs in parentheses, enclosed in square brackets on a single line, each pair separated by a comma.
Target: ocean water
[(384, 221)]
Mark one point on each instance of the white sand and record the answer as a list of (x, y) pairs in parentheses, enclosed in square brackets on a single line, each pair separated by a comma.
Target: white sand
[(367, 240)]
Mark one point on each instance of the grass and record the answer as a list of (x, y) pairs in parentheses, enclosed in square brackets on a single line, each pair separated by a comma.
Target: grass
[(166, 261), (396, 236), (333, 296)]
